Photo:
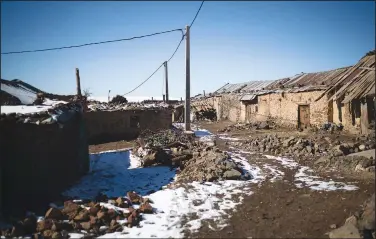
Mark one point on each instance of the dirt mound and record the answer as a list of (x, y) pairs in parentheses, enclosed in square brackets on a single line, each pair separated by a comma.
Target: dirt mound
[(249, 126)]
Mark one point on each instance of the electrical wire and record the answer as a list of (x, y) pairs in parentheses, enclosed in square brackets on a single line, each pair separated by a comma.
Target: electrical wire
[(194, 19), (93, 43)]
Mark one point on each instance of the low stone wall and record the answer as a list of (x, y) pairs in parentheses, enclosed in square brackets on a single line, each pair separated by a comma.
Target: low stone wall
[(106, 126), (39, 161)]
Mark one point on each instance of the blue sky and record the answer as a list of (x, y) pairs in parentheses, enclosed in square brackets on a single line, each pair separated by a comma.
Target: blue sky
[(230, 42)]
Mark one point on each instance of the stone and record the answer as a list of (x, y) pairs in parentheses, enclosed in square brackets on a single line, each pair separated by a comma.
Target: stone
[(362, 147), (146, 208), (71, 209), (134, 197), (83, 215), (263, 125), (57, 235), (333, 226), (352, 220), (54, 213), (346, 231), (120, 202), (86, 225), (44, 225), (47, 234), (94, 209), (60, 226), (371, 169), (232, 174)]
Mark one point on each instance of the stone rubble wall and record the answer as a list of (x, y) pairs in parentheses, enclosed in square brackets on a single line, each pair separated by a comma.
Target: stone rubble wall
[(106, 126), (38, 161)]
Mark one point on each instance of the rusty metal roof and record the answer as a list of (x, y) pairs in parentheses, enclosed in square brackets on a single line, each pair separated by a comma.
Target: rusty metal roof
[(245, 87), (357, 81)]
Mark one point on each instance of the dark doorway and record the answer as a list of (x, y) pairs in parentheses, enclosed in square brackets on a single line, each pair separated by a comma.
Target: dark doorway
[(303, 116)]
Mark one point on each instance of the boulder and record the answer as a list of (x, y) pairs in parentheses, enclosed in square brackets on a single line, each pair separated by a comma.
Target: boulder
[(82, 216), (346, 231), (232, 174), (71, 209), (146, 208), (44, 225), (134, 197)]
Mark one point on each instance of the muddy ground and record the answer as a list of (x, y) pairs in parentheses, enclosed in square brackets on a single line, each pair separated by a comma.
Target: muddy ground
[(279, 209)]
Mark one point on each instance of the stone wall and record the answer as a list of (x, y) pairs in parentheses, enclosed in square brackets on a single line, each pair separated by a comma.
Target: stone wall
[(39, 161), (106, 126), (283, 107)]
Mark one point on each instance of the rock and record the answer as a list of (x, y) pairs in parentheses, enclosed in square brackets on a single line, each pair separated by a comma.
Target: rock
[(263, 125), (102, 215), (352, 220), (230, 164), (346, 231), (362, 147), (146, 208), (367, 220), (55, 214), (44, 225), (333, 226), (371, 169), (94, 209), (60, 226), (83, 215), (71, 209), (232, 174), (323, 159), (86, 225), (134, 197), (48, 234), (359, 168), (120, 202)]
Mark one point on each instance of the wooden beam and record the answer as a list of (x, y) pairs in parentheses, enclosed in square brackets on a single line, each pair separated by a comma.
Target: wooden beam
[(367, 68)]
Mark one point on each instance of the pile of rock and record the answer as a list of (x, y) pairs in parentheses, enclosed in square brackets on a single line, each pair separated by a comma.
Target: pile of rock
[(207, 114), (347, 163), (92, 217), (360, 225), (298, 147)]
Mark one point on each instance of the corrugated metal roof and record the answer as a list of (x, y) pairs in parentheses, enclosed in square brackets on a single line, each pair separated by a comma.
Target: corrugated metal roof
[(356, 82), (248, 97), (243, 87)]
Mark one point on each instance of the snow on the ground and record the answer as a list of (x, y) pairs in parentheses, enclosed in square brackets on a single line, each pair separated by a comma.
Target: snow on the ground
[(25, 109), (177, 209), (302, 179), (229, 138), (275, 173)]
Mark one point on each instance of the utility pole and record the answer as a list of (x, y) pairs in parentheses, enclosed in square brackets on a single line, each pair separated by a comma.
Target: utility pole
[(166, 77), (187, 114), (78, 82)]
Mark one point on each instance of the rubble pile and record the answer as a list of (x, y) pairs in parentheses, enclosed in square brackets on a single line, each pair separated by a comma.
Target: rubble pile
[(360, 225), (248, 126), (301, 148), (119, 100), (94, 217), (195, 160), (115, 106)]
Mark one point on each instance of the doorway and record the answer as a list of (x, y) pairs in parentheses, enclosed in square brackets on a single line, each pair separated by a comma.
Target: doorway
[(303, 116)]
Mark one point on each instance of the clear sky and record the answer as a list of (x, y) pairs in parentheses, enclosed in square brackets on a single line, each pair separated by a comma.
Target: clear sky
[(230, 42)]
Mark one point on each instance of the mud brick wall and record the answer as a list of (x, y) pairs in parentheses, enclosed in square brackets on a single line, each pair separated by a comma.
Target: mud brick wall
[(283, 108), (38, 162), (107, 126)]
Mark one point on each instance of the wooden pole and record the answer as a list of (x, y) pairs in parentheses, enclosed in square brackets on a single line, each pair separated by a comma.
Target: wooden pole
[(78, 82), (187, 114)]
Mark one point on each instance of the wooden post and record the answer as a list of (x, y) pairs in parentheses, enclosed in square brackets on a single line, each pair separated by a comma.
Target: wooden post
[(187, 114), (78, 82), (164, 99)]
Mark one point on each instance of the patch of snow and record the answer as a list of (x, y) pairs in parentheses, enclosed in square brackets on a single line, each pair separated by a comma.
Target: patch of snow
[(288, 163), (303, 179), (131, 98), (275, 173), (229, 138), (25, 96), (23, 109)]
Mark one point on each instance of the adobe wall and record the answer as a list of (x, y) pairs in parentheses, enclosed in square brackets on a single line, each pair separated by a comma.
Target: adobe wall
[(283, 108), (38, 162), (106, 126), (232, 108)]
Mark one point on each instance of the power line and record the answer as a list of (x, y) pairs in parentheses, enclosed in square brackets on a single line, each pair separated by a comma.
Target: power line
[(198, 11), (173, 54), (93, 43)]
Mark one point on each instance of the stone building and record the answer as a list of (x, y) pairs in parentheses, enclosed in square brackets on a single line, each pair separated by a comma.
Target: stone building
[(344, 95)]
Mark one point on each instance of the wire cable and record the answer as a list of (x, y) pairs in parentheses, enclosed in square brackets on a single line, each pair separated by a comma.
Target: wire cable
[(93, 43), (173, 54), (198, 11)]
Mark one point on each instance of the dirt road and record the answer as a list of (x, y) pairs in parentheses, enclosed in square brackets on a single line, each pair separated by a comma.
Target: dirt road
[(278, 208)]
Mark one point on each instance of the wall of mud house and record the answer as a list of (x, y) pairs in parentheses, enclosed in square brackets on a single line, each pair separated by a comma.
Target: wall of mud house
[(107, 126), (283, 108), (231, 108), (251, 111), (355, 116), (38, 162)]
